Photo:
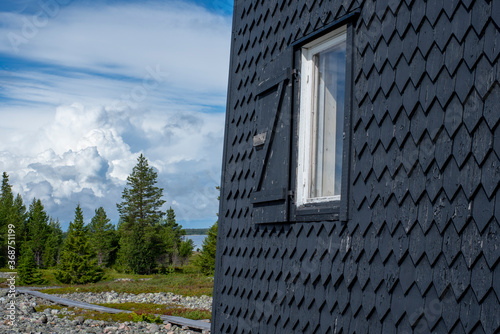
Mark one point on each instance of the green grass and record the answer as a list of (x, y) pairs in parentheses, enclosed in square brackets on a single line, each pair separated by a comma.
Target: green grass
[(88, 314), (168, 309), (191, 266), (113, 274), (186, 281), (141, 309), (177, 283)]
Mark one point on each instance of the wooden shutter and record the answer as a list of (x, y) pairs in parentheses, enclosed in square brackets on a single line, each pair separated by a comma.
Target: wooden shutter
[(272, 143)]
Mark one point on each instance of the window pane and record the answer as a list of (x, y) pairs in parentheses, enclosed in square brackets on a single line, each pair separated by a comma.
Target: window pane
[(328, 121)]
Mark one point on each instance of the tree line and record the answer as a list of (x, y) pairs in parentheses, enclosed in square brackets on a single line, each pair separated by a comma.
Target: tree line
[(146, 240), (196, 231)]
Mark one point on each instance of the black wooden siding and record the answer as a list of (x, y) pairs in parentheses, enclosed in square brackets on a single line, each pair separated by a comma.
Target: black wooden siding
[(420, 250)]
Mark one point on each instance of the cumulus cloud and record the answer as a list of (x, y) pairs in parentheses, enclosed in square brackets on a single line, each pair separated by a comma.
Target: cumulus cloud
[(95, 85), (83, 157)]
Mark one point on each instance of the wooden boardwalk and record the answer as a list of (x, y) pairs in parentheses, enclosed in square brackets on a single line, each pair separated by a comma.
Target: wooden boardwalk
[(182, 322)]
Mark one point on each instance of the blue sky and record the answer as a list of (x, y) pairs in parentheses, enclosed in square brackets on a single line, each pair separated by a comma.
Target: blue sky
[(87, 86)]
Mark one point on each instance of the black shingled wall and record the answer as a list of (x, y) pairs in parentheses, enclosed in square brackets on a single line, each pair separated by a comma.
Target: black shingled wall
[(420, 251)]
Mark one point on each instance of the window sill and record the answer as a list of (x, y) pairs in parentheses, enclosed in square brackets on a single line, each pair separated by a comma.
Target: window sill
[(318, 211)]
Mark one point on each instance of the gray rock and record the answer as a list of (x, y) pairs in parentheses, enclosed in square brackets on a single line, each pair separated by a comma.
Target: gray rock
[(123, 280), (46, 322), (80, 320), (26, 308), (154, 328), (203, 302), (110, 329)]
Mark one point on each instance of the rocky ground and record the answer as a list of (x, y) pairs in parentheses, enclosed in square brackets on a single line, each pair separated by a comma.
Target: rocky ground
[(203, 302), (27, 320)]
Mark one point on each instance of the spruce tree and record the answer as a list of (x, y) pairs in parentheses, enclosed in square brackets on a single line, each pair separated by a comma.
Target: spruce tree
[(172, 236), (37, 228), (185, 250), (140, 248), (20, 215), (27, 271), (53, 244), (140, 215), (177, 229), (171, 216), (6, 195), (6, 211), (12, 212), (206, 259), (78, 264), (169, 244), (102, 236)]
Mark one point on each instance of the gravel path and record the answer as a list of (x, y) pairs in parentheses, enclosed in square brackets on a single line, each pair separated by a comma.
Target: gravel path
[(27, 320)]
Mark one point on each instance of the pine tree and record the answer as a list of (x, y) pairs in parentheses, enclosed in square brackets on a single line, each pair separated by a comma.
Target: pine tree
[(78, 264), (206, 259), (36, 229), (140, 216), (140, 248), (27, 271), (102, 236), (142, 199)]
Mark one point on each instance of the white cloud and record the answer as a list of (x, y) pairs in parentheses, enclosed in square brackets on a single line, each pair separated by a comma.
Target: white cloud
[(84, 152), (188, 42), (105, 83)]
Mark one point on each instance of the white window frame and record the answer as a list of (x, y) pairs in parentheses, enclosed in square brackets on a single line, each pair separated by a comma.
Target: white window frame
[(307, 101)]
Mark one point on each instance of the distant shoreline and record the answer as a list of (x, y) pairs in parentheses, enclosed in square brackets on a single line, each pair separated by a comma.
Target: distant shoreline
[(196, 231)]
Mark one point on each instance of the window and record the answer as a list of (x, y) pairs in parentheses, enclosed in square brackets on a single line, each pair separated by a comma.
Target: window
[(321, 119), (302, 133)]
